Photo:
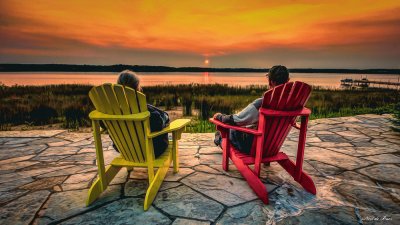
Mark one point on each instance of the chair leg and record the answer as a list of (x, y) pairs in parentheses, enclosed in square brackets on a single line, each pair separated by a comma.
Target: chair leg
[(305, 180), (100, 184), (225, 152), (154, 186), (175, 157), (253, 180)]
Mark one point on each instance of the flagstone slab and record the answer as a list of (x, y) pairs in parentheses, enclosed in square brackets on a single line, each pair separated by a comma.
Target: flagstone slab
[(183, 172), (16, 159), (14, 152), (84, 158), (68, 203), (291, 199), (232, 172), (336, 159), (188, 161), (383, 158), (323, 168), (368, 197), (121, 176), (59, 151), (181, 221), (135, 187), (139, 173), (206, 169), (139, 187), (49, 158), (187, 151), (11, 195), (75, 137), (81, 143), (210, 150), (337, 215), (49, 141), (227, 190), (59, 143), (251, 213), (31, 133), (212, 159), (324, 144), (17, 212), (45, 183), (332, 138), (124, 211), (68, 171), (80, 178), (184, 202), (382, 172), (17, 141), (355, 179), (70, 187), (13, 177), (16, 165), (364, 151), (7, 186)]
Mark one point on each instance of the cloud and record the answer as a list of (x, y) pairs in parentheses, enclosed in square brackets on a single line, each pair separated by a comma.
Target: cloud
[(233, 34)]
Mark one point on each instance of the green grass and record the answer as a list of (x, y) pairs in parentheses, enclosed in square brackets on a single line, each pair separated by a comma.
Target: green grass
[(70, 104)]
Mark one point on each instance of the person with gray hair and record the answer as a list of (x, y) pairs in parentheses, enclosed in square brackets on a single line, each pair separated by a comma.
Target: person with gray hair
[(130, 79), (158, 118)]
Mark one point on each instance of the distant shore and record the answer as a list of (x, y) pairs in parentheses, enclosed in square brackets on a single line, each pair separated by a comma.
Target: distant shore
[(145, 68)]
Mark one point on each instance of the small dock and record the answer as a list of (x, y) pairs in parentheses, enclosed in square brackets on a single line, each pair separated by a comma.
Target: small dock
[(364, 82)]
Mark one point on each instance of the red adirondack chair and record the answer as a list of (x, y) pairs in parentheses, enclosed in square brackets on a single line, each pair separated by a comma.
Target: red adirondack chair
[(280, 108)]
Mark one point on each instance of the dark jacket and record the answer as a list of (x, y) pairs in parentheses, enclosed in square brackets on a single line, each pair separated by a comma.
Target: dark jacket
[(248, 117), (158, 120)]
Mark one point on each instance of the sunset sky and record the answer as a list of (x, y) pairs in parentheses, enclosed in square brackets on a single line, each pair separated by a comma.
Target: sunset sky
[(317, 34)]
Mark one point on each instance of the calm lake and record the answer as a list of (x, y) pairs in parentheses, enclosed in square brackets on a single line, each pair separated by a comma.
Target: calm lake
[(147, 79)]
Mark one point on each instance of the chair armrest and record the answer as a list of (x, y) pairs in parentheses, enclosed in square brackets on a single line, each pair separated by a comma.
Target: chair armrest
[(96, 115), (173, 126), (226, 126), (301, 112)]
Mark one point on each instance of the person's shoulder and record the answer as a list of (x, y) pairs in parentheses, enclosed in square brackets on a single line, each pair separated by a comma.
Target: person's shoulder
[(258, 102)]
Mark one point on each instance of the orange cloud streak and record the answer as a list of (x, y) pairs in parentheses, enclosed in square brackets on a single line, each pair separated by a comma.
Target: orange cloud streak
[(202, 27)]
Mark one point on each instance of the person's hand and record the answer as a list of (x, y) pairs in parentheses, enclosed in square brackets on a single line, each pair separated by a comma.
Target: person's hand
[(216, 115)]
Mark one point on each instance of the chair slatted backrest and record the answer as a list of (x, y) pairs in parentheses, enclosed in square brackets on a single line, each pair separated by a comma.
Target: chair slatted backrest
[(128, 136), (286, 97)]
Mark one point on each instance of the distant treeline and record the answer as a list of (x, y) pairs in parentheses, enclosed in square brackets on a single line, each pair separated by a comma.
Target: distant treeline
[(144, 68)]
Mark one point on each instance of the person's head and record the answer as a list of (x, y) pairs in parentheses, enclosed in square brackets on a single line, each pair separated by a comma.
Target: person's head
[(277, 75), (130, 79)]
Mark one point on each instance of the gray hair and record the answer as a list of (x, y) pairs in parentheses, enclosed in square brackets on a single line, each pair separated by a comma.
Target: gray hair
[(130, 79)]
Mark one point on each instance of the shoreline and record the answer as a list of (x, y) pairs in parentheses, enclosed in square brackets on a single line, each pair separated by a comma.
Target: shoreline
[(11, 67)]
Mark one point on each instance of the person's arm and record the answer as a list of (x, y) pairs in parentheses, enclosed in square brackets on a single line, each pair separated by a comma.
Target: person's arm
[(228, 119), (249, 115)]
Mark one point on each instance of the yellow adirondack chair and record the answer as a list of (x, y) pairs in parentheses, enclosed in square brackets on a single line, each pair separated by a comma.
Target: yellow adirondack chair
[(124, 113)]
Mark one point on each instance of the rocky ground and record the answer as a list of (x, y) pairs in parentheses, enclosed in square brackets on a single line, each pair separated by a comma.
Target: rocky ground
[(354, 161)]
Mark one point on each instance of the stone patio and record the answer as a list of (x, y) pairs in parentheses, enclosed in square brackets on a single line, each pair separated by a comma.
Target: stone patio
[(354, 161)]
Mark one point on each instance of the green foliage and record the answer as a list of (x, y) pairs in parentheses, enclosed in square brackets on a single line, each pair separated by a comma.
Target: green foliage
[(396, 117), (42, 115), (75, 117), (70, 104)]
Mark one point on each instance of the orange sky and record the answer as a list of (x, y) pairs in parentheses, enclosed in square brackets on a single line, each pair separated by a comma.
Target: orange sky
[(337, 34)]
